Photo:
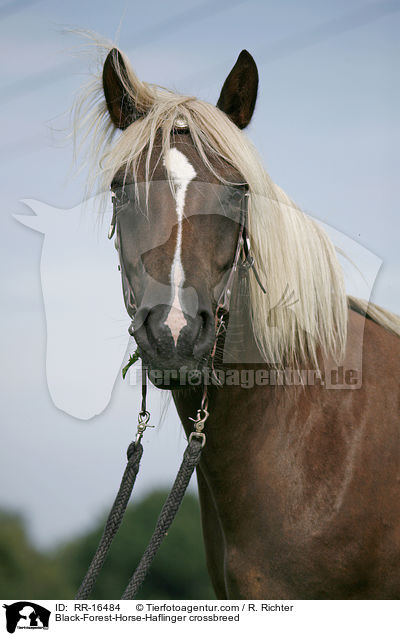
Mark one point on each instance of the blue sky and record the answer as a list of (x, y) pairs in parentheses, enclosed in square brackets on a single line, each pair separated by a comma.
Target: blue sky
[(326, 126)]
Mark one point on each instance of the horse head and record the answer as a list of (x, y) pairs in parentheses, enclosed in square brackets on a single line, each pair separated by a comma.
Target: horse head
[(178, 212)]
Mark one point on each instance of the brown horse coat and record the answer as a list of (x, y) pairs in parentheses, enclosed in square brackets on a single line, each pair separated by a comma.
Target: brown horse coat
[(300, 486)]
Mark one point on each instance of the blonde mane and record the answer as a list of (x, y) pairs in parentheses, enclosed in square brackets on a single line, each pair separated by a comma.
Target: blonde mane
[(292, 253)]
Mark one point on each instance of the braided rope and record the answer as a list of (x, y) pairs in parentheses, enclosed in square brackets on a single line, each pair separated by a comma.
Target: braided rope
[(134, 454), (190, 460)]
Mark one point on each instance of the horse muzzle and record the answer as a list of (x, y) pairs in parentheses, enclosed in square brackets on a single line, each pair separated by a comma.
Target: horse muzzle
[(173, 345)]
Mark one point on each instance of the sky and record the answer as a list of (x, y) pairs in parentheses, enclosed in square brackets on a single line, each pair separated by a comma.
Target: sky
[(325, 125)]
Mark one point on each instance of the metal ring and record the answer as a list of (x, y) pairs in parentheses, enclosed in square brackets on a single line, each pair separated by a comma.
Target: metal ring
[(201, 436), (200, 419), (205, 414), (143, 417)]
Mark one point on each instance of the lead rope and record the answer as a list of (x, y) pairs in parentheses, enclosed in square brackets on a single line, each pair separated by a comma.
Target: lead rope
[(191, 458), (134, 454)]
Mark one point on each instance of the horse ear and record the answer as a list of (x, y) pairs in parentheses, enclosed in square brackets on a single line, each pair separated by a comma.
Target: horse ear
[(118, 91), (239, 92)]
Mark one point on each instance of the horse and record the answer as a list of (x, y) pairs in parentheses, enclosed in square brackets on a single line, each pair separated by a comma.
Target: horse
[(239, 308)]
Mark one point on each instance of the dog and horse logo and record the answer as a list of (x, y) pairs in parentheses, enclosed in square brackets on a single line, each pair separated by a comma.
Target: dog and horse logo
[(26, 615)]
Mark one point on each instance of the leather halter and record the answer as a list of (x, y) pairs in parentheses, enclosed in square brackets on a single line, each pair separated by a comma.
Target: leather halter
[(243, 249)]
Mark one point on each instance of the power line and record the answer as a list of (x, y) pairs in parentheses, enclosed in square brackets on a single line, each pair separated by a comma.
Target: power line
[(320, 33), (14, 7), (172, 23), (277, 50), (309, 37)]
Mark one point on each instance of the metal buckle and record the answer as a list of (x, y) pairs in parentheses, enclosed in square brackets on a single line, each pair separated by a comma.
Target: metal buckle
[(143, 419), (180, 123), (202, 415)]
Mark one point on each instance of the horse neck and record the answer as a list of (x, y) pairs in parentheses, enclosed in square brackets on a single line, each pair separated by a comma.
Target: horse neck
[(234, 382)]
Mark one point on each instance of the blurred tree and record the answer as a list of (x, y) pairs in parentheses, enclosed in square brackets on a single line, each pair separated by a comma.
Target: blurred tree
[(25, 573), (178, 571)]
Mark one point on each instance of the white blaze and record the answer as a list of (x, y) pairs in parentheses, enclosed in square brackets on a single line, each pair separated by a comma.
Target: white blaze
[(181, 172)]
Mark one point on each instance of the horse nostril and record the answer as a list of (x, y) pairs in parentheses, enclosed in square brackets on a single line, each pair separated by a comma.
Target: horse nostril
[(151, 332), (154, 329), (206, 334), (139, 330), (204, 320), (154, 337)]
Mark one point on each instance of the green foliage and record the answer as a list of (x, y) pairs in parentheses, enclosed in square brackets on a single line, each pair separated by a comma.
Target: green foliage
[(178, 571), (132, 359), (25, 572)]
